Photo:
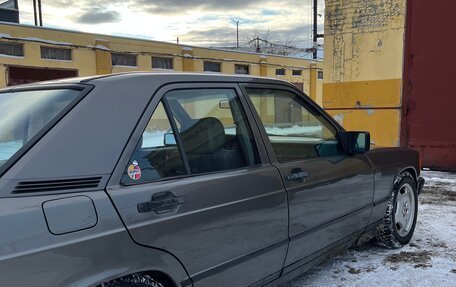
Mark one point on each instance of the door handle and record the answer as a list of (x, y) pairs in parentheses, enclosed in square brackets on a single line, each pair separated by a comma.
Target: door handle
[(297, 175), (162, 202)]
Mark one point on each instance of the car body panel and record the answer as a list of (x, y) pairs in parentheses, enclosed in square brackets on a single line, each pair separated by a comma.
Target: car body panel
[(230, 221), (234, 228), (334, 199), (387, 164), (30, 255), (334, 189), (227, 216)]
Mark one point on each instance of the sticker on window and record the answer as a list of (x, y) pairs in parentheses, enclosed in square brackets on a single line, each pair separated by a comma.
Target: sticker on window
[(134, 171)]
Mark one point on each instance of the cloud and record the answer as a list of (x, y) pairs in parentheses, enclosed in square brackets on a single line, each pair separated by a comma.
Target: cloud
[(183, 6), (98, 16), (195, 22)]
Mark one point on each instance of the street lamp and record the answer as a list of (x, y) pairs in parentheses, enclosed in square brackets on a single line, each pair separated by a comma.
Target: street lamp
[(237, 31)]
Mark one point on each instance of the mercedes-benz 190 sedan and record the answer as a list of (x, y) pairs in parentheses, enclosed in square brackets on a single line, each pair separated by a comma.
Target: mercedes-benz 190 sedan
[(144, 179)]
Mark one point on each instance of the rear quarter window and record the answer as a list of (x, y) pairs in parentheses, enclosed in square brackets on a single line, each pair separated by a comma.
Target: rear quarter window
[(25, 114)]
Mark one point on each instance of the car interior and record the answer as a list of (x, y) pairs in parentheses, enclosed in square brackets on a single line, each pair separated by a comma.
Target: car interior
[(207, 146)]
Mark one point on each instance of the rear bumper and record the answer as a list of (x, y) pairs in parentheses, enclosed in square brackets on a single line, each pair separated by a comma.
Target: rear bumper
[(421, 182)]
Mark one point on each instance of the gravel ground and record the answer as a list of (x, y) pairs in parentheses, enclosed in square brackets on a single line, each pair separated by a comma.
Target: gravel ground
[(429, 259)]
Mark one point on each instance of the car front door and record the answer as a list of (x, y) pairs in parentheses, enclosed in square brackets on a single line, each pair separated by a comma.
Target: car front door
[(329, 192), (194, 182)]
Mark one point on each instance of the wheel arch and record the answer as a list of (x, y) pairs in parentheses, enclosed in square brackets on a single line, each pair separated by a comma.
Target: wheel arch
[(160, 276), (406, 170)]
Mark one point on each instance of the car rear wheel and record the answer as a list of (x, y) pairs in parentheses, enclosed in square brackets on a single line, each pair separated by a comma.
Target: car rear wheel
[(399, 221), (135, 280)]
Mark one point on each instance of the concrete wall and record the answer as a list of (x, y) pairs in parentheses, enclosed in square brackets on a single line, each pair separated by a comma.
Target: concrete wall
[(92, 56), (364, 44)]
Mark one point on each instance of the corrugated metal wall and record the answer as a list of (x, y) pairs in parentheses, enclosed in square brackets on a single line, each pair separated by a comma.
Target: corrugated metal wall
[(429, 97)]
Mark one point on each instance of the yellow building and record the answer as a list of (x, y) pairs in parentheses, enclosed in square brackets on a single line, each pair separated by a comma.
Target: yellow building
[(364, 46), (29, 53)]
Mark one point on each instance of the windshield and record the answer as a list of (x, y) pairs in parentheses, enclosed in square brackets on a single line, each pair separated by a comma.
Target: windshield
[(24, 113)]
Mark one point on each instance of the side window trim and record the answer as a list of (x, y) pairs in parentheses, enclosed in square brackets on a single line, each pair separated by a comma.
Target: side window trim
[(319, 110), (176, 134), (137, 158), (308, 104), (156, 98), (242, 112)]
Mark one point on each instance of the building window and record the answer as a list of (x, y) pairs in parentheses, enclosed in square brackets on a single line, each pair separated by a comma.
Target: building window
[(56, 53), (241, 69), (297, 72), (280, 72), (212, 66), (12, 49), (123, 60), (320, 75), (162, 63)]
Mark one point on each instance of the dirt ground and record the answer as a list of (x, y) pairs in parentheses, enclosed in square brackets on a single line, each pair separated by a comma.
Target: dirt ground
[(429, 259)]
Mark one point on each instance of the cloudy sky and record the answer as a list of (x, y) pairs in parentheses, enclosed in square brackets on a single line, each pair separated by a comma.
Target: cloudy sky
[(195, 22)]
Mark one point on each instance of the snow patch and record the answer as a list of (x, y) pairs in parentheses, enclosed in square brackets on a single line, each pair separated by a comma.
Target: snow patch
[(339, 118), (102, 47), (36, 39)]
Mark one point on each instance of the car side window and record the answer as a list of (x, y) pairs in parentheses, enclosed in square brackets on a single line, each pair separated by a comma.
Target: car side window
[(156, 155), (213, 129), (295, 130)]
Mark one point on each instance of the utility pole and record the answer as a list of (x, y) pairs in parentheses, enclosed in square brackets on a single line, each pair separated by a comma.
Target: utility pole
[(40, 13), (237, 31), (315, 29), (258, 49), (38, 16), (34, 13)]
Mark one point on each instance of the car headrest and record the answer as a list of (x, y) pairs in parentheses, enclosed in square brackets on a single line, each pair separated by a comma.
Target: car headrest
[(206, 135)]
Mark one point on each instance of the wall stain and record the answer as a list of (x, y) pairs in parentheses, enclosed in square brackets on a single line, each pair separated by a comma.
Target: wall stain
[(347, 20)]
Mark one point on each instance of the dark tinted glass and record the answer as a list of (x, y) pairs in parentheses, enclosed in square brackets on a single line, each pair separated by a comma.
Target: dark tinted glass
[(12, 49), (280, 72), (55, 53), (162, 63), (241, 69), (123, 60), (212, 66)]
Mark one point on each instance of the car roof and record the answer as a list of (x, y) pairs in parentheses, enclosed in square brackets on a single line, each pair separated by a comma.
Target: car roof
[(160, 77)]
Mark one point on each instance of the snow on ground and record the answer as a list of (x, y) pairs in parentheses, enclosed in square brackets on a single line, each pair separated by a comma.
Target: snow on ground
[(429, 259)]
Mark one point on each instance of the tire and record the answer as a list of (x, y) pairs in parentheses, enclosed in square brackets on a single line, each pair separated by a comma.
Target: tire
[(135, 280), (399, 221)]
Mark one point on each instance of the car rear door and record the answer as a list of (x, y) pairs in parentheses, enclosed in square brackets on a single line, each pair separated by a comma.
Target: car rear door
[(193, 181), (329, 192)]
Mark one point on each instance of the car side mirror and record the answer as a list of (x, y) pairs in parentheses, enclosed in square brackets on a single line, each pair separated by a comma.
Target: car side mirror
[(355, 142), (169, 139)]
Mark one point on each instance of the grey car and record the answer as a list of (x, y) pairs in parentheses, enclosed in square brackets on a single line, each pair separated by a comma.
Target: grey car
[(144, 179)]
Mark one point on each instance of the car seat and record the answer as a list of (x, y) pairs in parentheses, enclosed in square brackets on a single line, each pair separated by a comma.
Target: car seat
[(204, 143)]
